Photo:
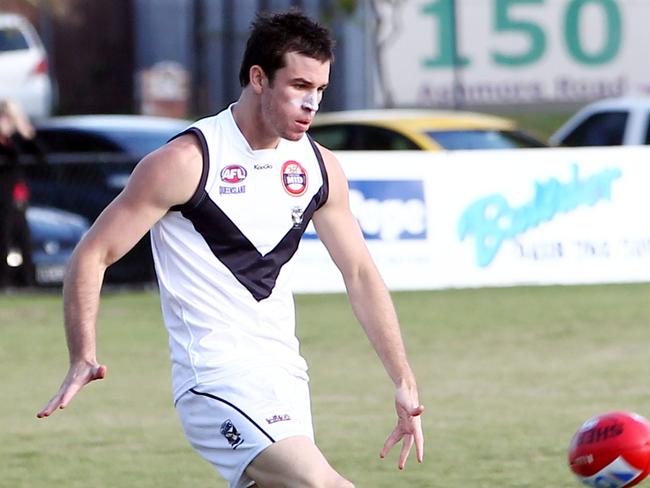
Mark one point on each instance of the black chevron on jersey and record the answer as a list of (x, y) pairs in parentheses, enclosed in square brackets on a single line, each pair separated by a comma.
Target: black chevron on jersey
[(256, 272)]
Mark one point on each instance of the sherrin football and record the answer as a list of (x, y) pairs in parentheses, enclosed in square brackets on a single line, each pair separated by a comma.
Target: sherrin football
[(611, 450)]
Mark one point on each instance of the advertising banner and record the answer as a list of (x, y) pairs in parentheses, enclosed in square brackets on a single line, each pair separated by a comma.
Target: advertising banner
[(493, 52), (495, 218)]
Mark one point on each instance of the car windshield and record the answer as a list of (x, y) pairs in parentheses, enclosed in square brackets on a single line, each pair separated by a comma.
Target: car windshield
[(482, 139), (12, 40)]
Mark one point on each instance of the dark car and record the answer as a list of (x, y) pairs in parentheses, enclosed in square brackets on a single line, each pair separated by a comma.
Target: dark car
[(129, 135), (88, 161), (54, 234)]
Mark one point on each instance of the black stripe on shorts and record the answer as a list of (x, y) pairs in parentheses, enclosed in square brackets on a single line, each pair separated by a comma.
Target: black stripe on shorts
[(214, 397)]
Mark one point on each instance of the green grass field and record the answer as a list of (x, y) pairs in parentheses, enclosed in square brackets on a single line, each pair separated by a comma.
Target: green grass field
[(507, 375)]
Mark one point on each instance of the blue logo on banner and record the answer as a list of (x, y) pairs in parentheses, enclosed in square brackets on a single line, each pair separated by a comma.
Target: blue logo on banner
[(388, 210), (491, 220)]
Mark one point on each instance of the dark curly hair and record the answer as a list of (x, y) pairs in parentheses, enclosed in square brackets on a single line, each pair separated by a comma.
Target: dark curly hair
[(274, 35)]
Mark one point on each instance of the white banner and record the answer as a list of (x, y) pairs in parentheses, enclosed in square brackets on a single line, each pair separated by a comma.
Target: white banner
[(495, 218), (514, 51)]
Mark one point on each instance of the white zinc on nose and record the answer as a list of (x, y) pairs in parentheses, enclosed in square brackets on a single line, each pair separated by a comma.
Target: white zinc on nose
[(308, 102)]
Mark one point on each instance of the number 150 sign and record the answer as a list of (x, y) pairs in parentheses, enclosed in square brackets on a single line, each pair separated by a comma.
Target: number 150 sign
[(539, 50), (506, 20)]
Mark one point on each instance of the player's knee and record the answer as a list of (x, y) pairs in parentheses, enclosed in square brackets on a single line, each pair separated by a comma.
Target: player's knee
[(329, 480), (313, 482), (339, 482), (345, 484), (331, 483), (297, 463)]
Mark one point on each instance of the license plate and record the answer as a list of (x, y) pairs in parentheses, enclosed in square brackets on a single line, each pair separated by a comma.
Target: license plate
[(51, 273)]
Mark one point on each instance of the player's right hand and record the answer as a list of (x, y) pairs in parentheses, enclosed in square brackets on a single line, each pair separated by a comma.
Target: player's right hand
[(79, 375)]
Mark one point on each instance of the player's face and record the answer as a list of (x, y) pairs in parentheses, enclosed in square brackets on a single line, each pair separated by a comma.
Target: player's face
[(291, 100)]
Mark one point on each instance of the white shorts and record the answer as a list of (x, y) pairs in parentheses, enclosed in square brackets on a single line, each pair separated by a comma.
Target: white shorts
[(229, 423)]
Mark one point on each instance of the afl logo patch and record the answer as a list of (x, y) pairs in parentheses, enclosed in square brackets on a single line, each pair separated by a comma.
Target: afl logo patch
[(294, 178), (233, 173)]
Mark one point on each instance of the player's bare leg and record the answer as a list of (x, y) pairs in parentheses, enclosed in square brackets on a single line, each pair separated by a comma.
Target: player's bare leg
[(294, 462)]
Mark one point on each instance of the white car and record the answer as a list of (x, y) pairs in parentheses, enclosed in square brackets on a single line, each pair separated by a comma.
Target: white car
[(24, 71), (609, 122)]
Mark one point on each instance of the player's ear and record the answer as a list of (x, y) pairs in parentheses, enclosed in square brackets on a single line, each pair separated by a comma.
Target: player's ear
[(257, 78)]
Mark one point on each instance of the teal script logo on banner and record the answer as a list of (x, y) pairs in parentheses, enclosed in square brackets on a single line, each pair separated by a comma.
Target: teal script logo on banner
[(492, 220)]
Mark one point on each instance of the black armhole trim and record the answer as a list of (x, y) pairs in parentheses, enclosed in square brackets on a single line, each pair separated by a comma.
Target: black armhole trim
[(323, 172), (214, 397), (200, 192)]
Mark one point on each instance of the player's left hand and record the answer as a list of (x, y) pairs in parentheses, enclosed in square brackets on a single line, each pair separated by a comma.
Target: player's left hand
[(408, 428)]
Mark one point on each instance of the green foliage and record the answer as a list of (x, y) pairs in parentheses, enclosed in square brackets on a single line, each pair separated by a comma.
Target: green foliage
[(507, 375)]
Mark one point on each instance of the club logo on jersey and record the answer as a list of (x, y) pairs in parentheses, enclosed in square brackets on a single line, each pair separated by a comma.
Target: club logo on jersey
[(294, 178), (232, 435), (233, 173), (296, 216)]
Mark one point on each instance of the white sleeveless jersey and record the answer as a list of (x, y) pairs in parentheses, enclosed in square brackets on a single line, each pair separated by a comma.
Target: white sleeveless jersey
[(222, 259)]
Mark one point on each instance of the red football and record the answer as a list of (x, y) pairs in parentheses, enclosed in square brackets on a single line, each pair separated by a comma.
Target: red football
[(611, 450)]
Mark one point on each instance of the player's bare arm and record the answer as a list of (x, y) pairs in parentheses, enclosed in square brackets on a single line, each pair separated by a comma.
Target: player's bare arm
[(372, 305), (166, 177)]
